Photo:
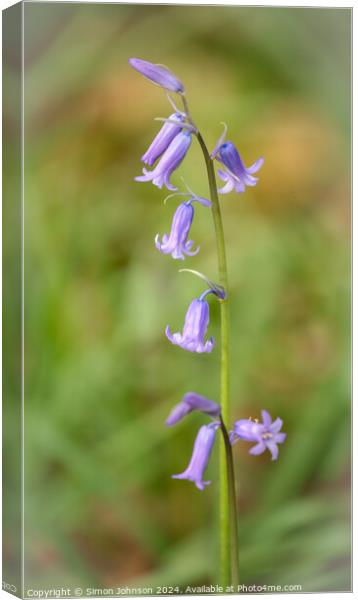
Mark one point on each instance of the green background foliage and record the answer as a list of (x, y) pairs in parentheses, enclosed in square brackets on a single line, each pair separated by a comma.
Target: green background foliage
[(101, 508)]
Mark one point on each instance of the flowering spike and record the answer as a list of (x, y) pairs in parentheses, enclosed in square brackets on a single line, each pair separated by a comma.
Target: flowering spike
[(158, 74), (169, 162), (266, 434), (162, 140), (200, 457), (177, 243), (192, 401), (236, 175), (195, 327)]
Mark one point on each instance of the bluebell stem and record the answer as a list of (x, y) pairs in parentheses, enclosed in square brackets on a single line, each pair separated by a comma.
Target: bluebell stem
[(195, 328), (158, 74), (236, 175), (266, 435), (192, 401), (169, 162), (177, 243), (163, 138), (200, 457)]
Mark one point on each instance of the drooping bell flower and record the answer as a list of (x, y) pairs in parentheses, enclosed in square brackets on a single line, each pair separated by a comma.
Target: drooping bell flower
[(169, 162), (236, 176), (195, 327), (177, 243), (158, 74), (266, 434), (190, 402), (200, 457), (163, 138)]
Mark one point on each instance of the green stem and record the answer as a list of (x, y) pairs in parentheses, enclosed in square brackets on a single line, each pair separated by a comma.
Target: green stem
[(225, 558), (233, 509), (229, 552)]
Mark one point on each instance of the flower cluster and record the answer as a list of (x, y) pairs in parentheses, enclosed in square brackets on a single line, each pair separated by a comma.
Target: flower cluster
[(265, 435), (173, 141), (164, 155)]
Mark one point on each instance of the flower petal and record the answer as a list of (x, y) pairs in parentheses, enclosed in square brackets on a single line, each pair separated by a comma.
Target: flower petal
[(266, 418), (272, 446), (276, 425), (256, 166), (258, 449)]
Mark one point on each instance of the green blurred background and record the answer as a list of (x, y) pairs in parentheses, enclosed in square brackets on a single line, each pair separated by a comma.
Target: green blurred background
[(101, 508)]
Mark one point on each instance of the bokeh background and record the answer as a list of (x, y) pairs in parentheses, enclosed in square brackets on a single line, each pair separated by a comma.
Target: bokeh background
[(101, 508)]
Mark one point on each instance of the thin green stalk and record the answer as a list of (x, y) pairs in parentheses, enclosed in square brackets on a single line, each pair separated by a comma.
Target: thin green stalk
[(233, 509), (228, 510), (229, 553), (225, 554)]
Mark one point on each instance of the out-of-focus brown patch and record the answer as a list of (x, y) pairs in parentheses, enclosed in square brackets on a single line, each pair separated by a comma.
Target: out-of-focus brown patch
[(110, 548), (302, 158)]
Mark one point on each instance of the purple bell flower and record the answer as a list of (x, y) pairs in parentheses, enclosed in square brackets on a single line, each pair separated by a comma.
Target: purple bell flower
[(192, 401), (171, 159), (200, 457), (236, 175), (158, 74), (177, 243), (266, 434), (195, 327), (163, 139)]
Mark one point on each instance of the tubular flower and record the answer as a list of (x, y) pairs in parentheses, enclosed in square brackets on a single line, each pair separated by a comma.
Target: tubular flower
[(266, 434), (200, 457), (169, 162), (177, 243), (158, 74), (163, 139), (195, 327), (192, 401), (236, 175)]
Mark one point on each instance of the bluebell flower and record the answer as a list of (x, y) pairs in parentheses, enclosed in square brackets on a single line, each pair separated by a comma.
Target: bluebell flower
[(200, 457), (177, 243), (195, 327), (236, 176), (266, 434), (163, 138), (169, 162), (192, 401), (158, 74)]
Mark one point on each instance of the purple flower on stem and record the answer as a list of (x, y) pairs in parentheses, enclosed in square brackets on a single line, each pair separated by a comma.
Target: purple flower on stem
[(177, 243), (192, 401), (200, 457), (169, 162), (195, 327), (266, 434), (163, 138), (158, 74), (236, 175)]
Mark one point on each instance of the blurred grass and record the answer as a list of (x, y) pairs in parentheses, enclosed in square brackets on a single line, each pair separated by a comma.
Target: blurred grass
[(101, 508)]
